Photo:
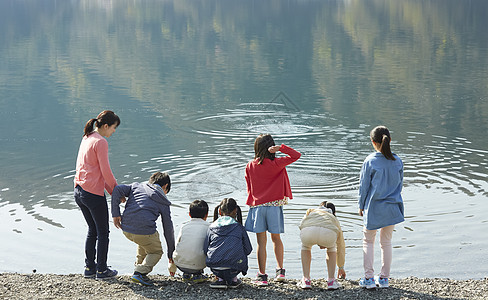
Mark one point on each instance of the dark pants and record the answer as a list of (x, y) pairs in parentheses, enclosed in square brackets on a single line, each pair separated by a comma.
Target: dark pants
[(95, 211), (190, 271), (226, 275)]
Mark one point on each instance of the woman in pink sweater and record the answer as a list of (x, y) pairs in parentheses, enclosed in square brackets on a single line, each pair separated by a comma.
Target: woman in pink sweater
[(93, 177), (268, 189)]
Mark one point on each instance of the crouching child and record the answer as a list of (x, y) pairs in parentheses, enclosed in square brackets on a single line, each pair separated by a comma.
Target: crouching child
[(145, 203), (189, 256), (227, 245)]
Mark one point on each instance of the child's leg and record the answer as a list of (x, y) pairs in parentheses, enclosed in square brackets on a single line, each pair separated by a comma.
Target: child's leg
[(331, 263), (368, 252), (141, 253), (151, 245), (308, 236), (386, 250), (306, 261), (261, 251), (278, 249)]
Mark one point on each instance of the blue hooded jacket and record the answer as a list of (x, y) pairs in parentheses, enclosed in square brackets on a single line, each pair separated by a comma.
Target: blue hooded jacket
[(227, 245), (145, 203), (380, 190)]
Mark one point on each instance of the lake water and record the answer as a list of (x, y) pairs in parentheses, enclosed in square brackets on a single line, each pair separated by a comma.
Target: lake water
[(194, 82)]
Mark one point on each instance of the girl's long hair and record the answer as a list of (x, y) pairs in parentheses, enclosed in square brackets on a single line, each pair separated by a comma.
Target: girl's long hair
[(227, 206), (261, 145), (381, 135), (105, 117)]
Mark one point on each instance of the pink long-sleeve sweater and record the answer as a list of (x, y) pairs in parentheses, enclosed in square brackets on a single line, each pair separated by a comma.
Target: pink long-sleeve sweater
[(93, 171)]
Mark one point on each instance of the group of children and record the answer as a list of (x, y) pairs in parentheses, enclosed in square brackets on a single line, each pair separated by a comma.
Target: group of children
[(224, 244)]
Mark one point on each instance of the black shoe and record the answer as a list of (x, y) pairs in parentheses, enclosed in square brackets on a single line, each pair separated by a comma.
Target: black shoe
[(89, 272), (218, 284), (106, 274), (235, 284), (142, 279)]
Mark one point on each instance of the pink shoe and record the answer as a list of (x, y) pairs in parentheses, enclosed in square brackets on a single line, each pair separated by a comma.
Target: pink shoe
[(304, 283), (333, 285)]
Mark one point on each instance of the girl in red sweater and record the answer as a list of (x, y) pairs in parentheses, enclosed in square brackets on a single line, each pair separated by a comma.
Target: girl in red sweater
[(268, 189)]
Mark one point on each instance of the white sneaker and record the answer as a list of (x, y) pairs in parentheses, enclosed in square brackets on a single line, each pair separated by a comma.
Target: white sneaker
[(333, 285), (304, 284), (381, 282)]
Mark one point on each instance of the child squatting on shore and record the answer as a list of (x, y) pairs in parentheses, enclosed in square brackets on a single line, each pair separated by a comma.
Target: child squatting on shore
[(145, 203), (320, 227), (380, 205), (227, 245), (268, 189), (189, 256)]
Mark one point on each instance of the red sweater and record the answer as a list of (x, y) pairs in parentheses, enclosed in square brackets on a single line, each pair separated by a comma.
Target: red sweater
[(269, 181)]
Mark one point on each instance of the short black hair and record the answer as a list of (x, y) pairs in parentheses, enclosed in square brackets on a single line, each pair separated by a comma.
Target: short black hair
[(198, 209), (161, 179)]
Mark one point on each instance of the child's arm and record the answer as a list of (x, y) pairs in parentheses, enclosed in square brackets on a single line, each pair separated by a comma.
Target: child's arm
[(364, 182), (118, 196), (246, 242), (168, 230), (341, 254), (292, 154), (206, 243)]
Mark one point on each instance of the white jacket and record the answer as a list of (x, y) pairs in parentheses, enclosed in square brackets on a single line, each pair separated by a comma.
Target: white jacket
[(189, 252)]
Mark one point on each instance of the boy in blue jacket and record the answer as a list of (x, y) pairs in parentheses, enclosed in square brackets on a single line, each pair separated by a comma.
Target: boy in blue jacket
[(145, 203)]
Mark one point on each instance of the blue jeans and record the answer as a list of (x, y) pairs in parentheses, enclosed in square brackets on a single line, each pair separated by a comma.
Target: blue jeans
[(95, 211), (227, 275)]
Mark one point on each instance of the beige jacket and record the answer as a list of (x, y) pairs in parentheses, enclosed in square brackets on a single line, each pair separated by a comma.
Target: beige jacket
[(318, 217)]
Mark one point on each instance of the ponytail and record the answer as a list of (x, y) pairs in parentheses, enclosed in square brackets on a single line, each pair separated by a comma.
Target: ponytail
[(385, 147), (89, 127), (381, 135), (226, 207), (105, 117)]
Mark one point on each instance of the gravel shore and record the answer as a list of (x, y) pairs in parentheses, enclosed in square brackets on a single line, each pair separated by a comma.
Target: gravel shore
[(74, 286)]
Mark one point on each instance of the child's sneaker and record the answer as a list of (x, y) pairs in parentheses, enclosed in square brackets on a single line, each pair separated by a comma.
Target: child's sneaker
[(304, 283), (381, 282), (333, 285), (280, 275), (142, 279), (367, 283), (106, 274), (89, 273), (234, 283), (261, 280), (186, 277), (199, 278), (218, 284)]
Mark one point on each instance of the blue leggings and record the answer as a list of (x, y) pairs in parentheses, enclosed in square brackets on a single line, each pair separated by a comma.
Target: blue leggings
[(95, 211)]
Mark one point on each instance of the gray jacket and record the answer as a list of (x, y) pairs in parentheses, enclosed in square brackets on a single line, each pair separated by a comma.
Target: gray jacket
[(145, 203)]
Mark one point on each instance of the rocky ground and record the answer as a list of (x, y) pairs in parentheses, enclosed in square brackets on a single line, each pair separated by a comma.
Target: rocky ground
[(49, 286)]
